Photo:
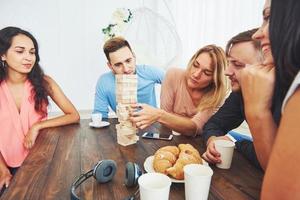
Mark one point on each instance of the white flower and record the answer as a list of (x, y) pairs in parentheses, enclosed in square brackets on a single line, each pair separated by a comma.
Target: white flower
[(119, 15), (116, 30), (120, 18)]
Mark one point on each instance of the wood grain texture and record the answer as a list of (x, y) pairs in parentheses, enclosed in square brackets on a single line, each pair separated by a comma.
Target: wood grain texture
[(61, 154)]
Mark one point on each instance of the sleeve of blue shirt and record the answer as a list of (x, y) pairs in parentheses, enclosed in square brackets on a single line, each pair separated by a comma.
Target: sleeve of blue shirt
[(154, 73), (101, 100)]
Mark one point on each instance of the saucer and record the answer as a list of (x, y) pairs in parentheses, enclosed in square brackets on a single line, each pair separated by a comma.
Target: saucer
[(102, 124)]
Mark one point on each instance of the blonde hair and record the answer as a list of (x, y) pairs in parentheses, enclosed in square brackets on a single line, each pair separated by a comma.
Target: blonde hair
[(214, 93)]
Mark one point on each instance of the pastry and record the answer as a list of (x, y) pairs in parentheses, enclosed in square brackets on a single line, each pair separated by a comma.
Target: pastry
[(170, 160), (165, 158)]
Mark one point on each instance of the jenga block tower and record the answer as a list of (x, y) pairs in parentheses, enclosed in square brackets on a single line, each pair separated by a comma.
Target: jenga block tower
[(126, 94)]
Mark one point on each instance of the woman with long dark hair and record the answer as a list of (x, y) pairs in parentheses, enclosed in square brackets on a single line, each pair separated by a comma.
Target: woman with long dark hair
[(24, 91), (280, 40), (282, 19)]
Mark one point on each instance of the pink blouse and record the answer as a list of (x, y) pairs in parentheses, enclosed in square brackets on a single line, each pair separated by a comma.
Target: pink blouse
[(15, 125), (176, 99)]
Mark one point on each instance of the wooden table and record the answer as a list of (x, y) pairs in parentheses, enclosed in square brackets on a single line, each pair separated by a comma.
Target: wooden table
[(61, 154)]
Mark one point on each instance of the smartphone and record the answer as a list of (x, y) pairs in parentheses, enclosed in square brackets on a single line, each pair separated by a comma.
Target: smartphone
[(153, 135)]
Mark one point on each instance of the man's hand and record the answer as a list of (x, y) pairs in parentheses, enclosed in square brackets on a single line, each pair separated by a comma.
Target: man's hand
[(211, 155)]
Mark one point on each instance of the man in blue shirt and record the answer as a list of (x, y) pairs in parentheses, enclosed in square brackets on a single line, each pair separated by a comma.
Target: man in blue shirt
[(121, 60)]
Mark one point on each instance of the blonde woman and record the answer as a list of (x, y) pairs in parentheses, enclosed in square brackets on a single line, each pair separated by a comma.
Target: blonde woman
[(189, 97)]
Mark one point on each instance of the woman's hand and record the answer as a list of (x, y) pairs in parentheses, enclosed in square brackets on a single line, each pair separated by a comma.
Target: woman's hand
[(257, 84), (31, 136), (5, 177), (145, 116)]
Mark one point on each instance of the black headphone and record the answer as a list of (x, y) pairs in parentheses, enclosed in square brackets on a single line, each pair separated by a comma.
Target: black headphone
[(104, 171)]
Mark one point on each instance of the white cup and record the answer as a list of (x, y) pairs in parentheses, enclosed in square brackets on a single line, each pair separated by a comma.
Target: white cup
[(96, 118), (197, 180), (225, 148), (154, 186)]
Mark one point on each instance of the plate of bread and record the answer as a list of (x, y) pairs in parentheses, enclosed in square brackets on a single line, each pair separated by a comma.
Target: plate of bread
[(170, 160)]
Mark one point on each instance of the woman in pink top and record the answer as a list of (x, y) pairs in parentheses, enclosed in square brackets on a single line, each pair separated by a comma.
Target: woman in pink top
[(189, 97), (24, 91)]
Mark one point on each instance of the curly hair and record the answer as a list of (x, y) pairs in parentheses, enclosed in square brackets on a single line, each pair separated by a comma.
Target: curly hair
[(36, 76)]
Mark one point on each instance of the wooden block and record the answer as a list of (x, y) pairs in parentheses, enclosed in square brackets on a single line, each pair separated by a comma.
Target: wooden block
[(128, 124), (127, 101), (125, 141), (125, 131), (126, 78)]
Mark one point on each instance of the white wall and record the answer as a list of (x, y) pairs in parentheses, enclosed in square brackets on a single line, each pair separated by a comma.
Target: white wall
[(70, 37), (203, 22)]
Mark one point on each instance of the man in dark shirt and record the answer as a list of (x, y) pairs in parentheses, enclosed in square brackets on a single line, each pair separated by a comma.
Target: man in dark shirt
[(240, 50)]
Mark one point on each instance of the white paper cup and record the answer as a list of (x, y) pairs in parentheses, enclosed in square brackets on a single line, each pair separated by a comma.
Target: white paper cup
[(154, 186), (96, 118), (225, 148), (197, 180)]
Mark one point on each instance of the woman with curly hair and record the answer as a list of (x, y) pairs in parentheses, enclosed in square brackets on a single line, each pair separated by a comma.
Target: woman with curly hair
[(24, 91)]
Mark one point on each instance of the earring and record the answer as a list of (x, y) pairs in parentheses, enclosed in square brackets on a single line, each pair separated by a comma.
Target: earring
[(3, 63)]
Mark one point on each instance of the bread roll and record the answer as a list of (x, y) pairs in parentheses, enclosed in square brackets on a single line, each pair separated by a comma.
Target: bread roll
[(188, 155), (170, 160), (172, 149), (165, 158), (189, 149)]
